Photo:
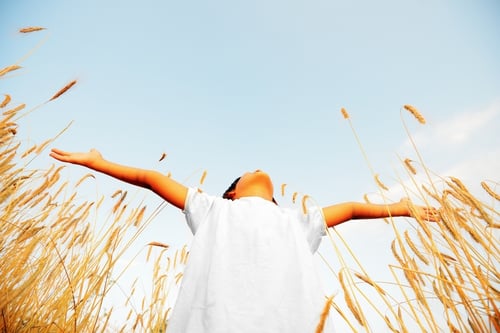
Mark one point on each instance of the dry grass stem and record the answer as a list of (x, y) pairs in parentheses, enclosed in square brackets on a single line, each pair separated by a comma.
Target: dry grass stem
[(29, 151), (490, 191), (116, 193), (304, 203), (14, 110), (203, 176), (379, 183), (413, 247), (42, 146), (283, 186), (139, 217), (350, 303), (369, 281), (409, 166), (88, 175), (119, 202), (395, 253), (159, 244)]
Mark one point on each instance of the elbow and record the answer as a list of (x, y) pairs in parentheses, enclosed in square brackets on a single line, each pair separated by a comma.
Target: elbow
[(357, 211), (146, 179)]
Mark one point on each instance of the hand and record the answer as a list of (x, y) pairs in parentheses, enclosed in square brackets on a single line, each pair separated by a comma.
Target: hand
[(423, 212), (85, 159)]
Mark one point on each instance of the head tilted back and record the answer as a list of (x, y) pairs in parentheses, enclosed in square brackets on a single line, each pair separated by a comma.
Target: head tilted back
[(228, 193)]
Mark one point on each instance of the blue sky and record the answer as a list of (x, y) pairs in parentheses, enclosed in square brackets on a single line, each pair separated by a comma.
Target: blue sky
[(231, 86)]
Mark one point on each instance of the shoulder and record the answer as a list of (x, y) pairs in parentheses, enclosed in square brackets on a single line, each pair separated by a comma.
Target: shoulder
[(196, 199), (199, 206), (313, 224)]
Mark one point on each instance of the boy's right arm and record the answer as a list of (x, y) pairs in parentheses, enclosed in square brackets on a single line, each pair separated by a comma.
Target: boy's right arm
[(167, 188)]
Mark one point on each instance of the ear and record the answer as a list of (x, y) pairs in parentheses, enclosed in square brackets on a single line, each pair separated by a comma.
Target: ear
[(230, 195)]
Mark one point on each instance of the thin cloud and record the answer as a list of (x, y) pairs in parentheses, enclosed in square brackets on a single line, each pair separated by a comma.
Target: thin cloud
[(466, 135), (470, 171), (461, 128), (473, 171), (455, 130)]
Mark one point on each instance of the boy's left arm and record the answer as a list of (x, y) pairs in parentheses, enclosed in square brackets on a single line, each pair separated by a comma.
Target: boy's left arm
[(343, 212)]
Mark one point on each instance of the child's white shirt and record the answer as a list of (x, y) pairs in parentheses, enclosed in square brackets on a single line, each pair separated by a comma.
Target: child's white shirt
[(250, 268)]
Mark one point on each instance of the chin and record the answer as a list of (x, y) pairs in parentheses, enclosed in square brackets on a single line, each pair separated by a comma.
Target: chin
[(256, 177)]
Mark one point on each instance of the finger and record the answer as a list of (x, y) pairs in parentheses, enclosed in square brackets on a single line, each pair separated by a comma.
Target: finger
[(56, 156), (59, 151), (60, 155)]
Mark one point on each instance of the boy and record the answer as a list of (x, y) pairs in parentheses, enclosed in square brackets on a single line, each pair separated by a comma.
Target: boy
[(251, 265)]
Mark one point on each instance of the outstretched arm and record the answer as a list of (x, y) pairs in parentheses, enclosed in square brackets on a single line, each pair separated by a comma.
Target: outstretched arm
[(340, 213), (167, 188)]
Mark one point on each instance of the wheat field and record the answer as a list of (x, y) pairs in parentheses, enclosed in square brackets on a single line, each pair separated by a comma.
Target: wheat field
[(58, 265), (445, 275)]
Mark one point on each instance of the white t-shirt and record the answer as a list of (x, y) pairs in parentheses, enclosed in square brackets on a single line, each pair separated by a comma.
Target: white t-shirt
[(250, 268)]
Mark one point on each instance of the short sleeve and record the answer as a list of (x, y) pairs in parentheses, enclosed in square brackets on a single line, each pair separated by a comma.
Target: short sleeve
[(196, 208), (315, 227)]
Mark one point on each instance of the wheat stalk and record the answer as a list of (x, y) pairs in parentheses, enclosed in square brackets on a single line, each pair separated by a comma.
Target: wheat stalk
[(379, 183), (369, 281), (140, 216), (409, 166), (63, 90), (413, 110), (30, 29), (5, 101), (304, 205), (159, 244), (413, 247), (203, 176), (350, 303), (9, 69), (14, 110), (324, 314), (344, 113), (490, 191), (283, 186)]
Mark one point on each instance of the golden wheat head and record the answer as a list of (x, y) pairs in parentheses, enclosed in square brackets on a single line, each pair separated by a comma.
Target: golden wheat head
[(413, 110), (63, 90), (344, 113), (30, 29)]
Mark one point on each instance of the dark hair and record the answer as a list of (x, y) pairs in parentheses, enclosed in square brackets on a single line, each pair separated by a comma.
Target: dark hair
[(232, 187)]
